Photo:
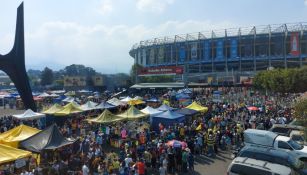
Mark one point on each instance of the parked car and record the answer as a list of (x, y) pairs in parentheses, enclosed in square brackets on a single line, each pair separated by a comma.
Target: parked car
[(274, 156), (249, 166), (285, 130), (270, 139)]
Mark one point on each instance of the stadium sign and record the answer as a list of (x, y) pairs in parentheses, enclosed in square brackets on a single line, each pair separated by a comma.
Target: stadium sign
[(164, 70)]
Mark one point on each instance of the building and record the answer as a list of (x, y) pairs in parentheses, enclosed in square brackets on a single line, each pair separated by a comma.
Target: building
[(220, 56)]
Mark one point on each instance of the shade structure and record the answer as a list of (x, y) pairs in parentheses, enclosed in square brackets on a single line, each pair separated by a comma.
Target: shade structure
[(44, 95), (105, 105), (70, 93), (48, 139), (116, 102), (186, 111), (70, 108), (167, 118), (89, 105), (126, 100), (165, 107), (151, 111), (9, 154), (69, 99), (132, 113), (13, 136), (53, 109), (153, 100), (137, 98), (29, 115), (135, 102), (195, 106), (105, 117)]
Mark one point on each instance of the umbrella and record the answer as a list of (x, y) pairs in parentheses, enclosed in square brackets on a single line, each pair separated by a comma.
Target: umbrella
[(252, 108), (177, 144)]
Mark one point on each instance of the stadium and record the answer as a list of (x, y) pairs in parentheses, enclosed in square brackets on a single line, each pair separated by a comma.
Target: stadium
[(230, 56)]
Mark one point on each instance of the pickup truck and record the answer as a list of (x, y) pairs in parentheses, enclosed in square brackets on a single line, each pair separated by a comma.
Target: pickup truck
[(254, 137)]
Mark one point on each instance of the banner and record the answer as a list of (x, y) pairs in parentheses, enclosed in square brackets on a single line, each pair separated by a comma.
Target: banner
[(219, 49), (144, 57), (295, 44), (98, 80), (74, 81), (161, 55), (181, 54), (163, 70), (152, 56), (207, 50), (233, 48), (194, 51)]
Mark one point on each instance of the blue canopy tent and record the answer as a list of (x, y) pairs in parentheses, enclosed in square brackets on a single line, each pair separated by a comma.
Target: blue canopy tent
[(59, 99), (186, 111), (167, 118), (105, 105), (165, 107)]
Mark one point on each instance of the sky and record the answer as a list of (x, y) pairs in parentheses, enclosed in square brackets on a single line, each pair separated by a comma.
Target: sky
[(100, 33)]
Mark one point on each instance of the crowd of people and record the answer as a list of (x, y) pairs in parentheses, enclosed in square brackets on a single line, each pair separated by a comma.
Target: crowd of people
[(138, 150)]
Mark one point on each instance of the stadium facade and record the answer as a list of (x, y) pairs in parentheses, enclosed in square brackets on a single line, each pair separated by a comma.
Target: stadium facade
[(229, 55)]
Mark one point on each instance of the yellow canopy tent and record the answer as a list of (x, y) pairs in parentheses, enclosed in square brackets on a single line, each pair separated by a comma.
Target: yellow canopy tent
[(53, 109), (132, 113), (9, 154), (195, 106), (135, 102), (70, 108), (105, 117), (14, 136)]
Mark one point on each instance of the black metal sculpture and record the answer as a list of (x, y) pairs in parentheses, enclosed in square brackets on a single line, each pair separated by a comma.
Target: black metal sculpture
[(13, 64)]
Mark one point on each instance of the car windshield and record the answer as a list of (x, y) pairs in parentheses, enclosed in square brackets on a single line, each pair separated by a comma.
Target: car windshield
[(295, 145)]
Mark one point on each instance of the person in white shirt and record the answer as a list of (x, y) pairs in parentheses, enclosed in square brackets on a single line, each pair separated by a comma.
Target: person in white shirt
[(85, 170), (128, 160)]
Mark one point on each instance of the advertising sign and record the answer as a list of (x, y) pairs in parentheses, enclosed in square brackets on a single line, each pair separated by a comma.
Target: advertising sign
[(98, 80), (233, 48), (163, 70), (207, 50), (193, 51), (295, 44), (161, 55), (181, 54), (74, 81), (219, 49), (139, 58), (152, 56)]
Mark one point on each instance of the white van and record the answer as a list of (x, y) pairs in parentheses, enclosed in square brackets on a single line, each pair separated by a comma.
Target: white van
[(248, 166)]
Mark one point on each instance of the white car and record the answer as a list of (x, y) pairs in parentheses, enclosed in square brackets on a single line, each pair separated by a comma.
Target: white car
[(248, 166)]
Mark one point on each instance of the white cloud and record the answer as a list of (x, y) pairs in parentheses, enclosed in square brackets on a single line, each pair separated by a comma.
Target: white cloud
[(105, 7), (155, 6), (305, 2), (105, 48)]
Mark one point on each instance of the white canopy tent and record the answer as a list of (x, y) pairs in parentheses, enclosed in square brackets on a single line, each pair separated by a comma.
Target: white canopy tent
[(44, 95), (116, 102), (69, 99), (29, 115), (89, 105), (126, 100), (151, 111)]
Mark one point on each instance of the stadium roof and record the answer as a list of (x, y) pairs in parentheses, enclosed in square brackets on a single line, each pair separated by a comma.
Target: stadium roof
[(262, 29)]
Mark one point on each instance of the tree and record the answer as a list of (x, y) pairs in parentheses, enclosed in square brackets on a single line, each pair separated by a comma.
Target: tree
[(46, 77), (79, 70)]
